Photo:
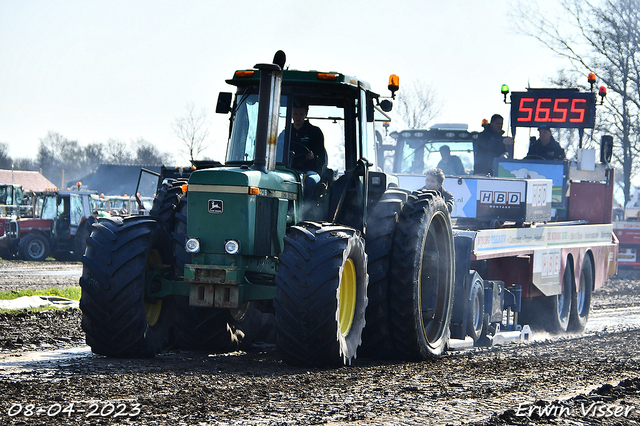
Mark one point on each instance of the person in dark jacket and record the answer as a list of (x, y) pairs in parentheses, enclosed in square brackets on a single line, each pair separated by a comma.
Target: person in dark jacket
[(433, 181), (450, 164), (307, 141), (490, 144), (545, 146)]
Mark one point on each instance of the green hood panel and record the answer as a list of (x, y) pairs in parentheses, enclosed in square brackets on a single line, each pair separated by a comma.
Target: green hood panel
[(237, 176)]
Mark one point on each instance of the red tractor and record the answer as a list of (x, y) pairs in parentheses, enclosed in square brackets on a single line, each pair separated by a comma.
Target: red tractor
[(59, 228)]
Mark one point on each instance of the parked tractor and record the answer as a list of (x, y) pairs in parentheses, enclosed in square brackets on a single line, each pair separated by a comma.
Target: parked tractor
[(59, 228)]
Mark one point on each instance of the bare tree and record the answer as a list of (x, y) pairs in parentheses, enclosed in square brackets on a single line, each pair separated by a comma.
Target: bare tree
[(116, 152), (148, 154), (193, 130), (57, 153), (25, 164), (603, 38), (417, 105), (5, 159)]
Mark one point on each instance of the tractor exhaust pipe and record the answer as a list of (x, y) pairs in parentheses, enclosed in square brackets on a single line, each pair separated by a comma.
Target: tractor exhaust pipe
[(268, 110)]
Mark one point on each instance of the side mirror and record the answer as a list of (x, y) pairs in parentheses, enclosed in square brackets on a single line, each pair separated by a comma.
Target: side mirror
[(386, 105), (224, 103), (606, 149)]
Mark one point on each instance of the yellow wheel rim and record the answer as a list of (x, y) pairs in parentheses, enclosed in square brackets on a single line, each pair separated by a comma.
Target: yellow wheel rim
[(347, 301), (152, 310)]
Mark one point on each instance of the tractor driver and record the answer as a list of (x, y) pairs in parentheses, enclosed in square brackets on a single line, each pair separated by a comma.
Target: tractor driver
[(307, 143)]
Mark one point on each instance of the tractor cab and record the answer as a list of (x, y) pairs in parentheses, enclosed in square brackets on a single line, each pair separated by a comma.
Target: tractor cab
[(343, 109), (11, 200), (418, 150)]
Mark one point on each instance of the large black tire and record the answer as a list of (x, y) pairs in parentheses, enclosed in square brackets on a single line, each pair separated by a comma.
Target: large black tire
[(421, 295), (551, 313), (381, 226), (118, 318), (6, 255), (80, 241), (581, 299), (179, 236), (166, 202), (34, 247), (558, 307), (321, 295)]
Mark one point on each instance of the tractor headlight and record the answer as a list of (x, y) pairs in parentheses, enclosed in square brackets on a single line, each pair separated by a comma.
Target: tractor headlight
[(192, 245), (231, 246)]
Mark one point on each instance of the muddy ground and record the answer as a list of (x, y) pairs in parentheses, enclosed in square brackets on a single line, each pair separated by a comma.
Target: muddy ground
[(572, 380)]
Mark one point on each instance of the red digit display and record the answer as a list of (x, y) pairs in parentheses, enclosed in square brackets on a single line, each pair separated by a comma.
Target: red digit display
[(543, 113), (563, 111), (556, 107), (525, 109), (579, 111)]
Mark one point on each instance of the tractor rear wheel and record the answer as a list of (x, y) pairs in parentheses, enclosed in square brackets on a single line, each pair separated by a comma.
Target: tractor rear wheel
[(34, 247), (80, 240), (581, 299), (179, 236), (421, 295), (166, 201), (119, 318), (381, 225), (321, 294)]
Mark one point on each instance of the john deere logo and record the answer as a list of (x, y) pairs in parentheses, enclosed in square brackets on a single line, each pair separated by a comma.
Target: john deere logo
[(215, 206)]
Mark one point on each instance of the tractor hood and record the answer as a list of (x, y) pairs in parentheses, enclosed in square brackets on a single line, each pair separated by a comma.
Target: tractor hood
[(243, 177)]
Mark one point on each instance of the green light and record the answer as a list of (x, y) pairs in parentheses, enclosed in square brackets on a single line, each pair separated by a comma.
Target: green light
[(505, 89)]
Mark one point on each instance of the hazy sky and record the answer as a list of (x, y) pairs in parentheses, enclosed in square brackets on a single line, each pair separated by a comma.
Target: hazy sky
[(99, 70)]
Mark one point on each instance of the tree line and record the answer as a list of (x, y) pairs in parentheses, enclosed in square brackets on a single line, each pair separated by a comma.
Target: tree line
[(57, 153)]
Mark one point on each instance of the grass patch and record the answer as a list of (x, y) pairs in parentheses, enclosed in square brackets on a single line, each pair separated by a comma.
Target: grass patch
[(72, 293)]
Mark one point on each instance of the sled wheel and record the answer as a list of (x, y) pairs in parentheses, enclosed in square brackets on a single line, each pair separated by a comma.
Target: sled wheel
[(421, 295), (581, 299), (121, 262), (476, 319), (321, 295), (558, 307)]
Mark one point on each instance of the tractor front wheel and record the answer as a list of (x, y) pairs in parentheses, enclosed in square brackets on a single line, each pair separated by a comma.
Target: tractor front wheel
[(321, 295), (121, 262)]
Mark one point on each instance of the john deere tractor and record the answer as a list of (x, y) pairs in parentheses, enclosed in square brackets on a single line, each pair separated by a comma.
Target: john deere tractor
[(227, 246)]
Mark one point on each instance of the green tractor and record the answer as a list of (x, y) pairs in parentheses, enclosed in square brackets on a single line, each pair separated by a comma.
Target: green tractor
[(225, 248)]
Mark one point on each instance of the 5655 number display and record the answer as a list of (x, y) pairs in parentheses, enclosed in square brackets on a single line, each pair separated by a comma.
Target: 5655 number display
[(556, 108)]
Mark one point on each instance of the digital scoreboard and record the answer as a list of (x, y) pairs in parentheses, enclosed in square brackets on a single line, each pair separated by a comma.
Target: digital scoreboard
[(554, 107)]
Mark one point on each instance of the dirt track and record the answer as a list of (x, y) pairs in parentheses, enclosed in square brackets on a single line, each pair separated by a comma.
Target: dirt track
[(510, 385)]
